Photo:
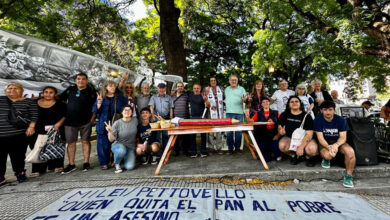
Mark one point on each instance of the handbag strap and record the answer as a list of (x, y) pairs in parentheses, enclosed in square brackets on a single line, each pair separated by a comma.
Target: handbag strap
[(303, 121)]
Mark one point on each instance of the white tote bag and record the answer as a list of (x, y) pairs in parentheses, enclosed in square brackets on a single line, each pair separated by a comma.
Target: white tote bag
[(297, 136), (33, 156)]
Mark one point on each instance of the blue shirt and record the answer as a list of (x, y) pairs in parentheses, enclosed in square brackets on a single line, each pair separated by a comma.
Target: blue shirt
[(103, 113), (162, 105), (330, 130)]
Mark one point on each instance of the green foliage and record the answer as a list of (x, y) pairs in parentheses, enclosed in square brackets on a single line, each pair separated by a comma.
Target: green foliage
[(91, 27), (300, 51), (242, 37)]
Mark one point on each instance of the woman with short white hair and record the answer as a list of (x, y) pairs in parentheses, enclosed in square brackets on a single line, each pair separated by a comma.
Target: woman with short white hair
[(319, 95), (307, 100)]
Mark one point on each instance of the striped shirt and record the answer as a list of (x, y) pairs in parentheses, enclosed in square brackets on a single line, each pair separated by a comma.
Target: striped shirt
[(180, 106), (27, 107)]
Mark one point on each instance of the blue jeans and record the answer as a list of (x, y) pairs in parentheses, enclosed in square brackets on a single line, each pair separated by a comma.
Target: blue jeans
[(165, 138), (103, 149), (121, 152), (236, 142)]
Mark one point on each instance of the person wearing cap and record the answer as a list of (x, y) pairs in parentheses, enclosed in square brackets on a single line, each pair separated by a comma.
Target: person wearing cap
[(161, 104), (367, 106)]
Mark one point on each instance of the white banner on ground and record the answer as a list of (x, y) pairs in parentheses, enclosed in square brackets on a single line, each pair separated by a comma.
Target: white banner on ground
[(171, 203)]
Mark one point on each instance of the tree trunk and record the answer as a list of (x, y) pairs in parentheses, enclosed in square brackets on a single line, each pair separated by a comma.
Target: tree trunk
[(172, 39)]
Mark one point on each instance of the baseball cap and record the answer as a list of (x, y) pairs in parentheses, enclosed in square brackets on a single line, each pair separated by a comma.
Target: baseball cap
[(161, 85)]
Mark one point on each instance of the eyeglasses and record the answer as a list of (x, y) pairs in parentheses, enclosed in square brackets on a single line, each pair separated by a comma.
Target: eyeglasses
[(78, 93), (128, 87), (294, 101), (127, 110)]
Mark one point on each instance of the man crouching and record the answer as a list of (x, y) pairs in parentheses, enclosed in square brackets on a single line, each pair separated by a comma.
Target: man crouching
[(331, 132)]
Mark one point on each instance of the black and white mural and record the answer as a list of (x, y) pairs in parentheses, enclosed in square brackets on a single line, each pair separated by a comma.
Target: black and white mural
[(35, 63)]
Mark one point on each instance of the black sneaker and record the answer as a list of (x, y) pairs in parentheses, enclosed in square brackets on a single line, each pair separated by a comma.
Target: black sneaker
[(145, 159), (311, 162), (193, 155), (21, 177), (155, 160), (69, 169), (204, 154), (86, 167), (294, 160)]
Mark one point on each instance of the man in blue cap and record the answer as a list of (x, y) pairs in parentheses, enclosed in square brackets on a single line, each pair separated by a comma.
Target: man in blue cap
[(161, 104)]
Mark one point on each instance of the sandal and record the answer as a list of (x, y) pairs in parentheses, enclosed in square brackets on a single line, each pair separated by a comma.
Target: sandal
[(32, 175), (58, 170), (104, 167)]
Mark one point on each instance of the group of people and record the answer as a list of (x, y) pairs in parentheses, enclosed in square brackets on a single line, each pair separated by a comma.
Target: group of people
[(122, 123)]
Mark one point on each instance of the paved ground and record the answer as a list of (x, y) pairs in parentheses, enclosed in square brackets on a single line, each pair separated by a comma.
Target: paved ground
[(18, 201)]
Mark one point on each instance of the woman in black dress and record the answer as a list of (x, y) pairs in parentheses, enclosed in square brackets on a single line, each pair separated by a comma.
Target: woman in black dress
[(51, 114)]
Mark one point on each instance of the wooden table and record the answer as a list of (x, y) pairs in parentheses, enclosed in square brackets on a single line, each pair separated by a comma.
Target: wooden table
[(246, 129)]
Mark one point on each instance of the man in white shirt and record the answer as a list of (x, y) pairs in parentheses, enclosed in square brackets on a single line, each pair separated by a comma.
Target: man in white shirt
[(280, 97)]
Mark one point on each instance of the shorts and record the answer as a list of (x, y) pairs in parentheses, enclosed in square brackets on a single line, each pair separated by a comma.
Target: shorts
[(338, 159), (72, 133), (149, 147)]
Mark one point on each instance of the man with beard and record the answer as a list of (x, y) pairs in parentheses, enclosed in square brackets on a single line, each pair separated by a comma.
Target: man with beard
[(143, 99), (180, 110)]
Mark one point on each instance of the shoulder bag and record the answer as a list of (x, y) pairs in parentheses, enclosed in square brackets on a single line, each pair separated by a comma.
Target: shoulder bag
[(297, 136), (54, 148), (16, 118)]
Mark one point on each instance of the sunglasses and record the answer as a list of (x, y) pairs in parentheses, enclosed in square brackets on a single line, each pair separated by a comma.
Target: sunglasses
[(78, 93), (129, 87)]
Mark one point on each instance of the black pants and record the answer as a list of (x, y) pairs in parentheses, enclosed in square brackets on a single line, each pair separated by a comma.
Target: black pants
[(42, 167), (15, 147), (183, 142)]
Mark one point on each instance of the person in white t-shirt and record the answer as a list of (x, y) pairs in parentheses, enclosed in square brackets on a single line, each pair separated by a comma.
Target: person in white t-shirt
[(280, 97)]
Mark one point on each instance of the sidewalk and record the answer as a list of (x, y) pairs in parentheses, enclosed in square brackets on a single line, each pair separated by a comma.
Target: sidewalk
[(238, 171)]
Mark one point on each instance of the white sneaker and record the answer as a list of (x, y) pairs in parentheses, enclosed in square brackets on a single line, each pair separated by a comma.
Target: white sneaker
[(118, 168)]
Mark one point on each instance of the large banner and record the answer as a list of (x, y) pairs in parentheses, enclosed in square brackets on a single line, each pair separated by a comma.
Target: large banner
[(171, 203)]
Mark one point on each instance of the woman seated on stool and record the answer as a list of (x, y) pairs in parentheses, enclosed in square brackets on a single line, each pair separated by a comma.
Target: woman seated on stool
[(123, 132)]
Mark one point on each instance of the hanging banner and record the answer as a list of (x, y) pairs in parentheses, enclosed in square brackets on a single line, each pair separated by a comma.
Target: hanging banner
[(172, 203)]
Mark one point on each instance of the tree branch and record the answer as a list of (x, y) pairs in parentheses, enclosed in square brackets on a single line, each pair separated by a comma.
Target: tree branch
[(313, 19), (155, 6)]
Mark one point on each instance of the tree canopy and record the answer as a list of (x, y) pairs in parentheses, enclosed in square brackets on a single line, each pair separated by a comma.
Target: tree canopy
[(300, 39)]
